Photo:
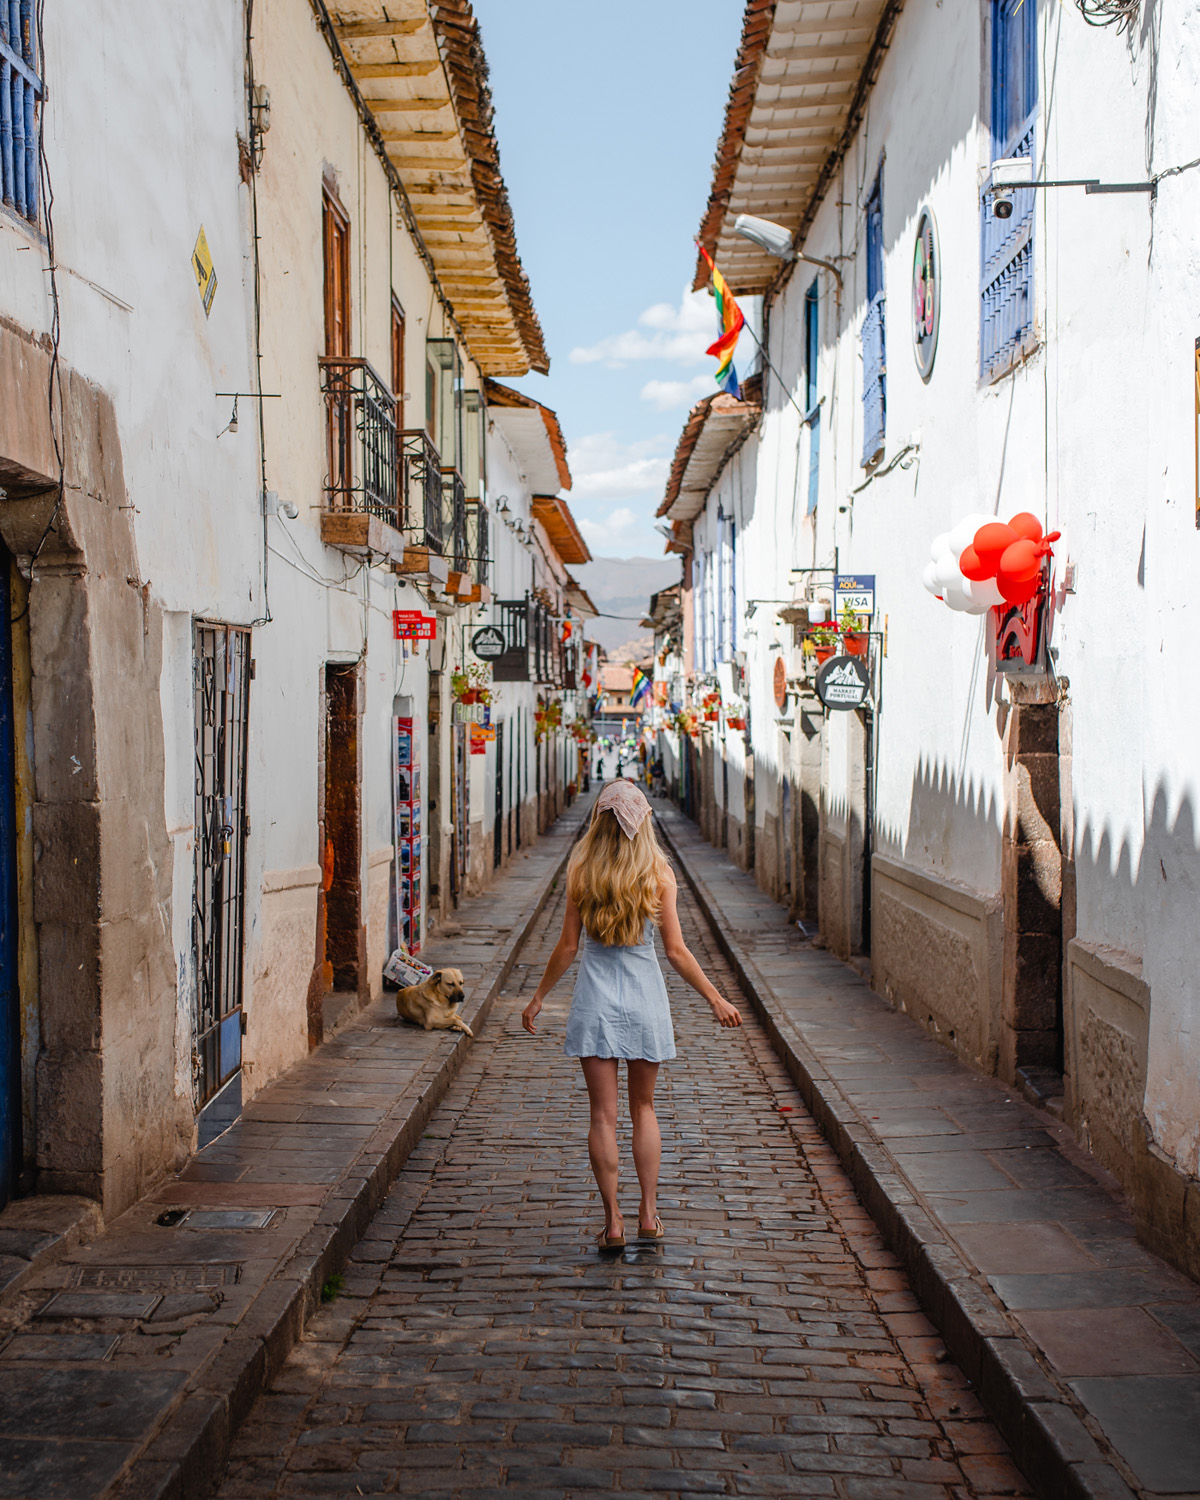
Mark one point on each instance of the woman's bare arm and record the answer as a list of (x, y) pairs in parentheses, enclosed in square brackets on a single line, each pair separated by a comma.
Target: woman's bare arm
[(681, 959), (560, 961)]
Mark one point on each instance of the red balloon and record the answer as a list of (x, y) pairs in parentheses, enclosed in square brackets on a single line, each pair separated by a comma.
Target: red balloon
[(971, 567), (1027, 525), (1021, 593), (1020, 562), (990, 544)]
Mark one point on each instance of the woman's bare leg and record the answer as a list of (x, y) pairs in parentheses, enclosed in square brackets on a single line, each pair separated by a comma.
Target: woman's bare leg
[(600, 1075), (647, 1142)]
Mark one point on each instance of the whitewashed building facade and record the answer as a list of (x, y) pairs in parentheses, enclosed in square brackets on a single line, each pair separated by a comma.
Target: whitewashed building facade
[(1014, 851)]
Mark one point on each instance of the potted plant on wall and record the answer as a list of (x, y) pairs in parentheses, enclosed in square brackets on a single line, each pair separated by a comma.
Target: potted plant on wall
[(855, 642), (822, 641)]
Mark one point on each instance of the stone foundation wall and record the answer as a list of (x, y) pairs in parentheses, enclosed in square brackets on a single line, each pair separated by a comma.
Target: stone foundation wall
[(936, 953)]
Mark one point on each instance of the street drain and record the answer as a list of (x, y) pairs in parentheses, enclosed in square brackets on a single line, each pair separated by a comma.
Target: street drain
[(217, 1218)]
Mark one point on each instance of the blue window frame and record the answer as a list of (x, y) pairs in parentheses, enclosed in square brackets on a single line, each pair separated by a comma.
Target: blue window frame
[(874, 348), (1006, 310), (20, 96), (727, 600), (812, 348)]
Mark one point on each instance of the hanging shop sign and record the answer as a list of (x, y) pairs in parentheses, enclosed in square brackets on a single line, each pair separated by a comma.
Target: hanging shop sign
[(855, 592), (202, 270), (480, 735), (488, 643), (412, 625), (779, 684), (842, 683), (927, 293)]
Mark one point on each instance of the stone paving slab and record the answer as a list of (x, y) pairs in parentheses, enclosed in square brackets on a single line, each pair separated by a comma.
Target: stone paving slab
[(128, 1362), (1084, 1345), (482, 1346)]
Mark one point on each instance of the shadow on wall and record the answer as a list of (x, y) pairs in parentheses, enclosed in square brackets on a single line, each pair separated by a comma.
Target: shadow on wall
[(946, 813)]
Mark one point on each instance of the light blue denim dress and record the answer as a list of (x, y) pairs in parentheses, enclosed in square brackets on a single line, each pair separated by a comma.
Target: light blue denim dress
[(620, 1006)]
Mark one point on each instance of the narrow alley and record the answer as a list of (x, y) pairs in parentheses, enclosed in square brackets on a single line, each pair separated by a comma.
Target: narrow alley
[(479, 1345)]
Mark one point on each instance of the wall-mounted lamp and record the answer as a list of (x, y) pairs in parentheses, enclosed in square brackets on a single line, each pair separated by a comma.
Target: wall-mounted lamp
[(777, 241)]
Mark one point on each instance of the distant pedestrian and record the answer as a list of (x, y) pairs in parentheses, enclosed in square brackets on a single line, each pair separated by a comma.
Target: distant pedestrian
[(618, 883)]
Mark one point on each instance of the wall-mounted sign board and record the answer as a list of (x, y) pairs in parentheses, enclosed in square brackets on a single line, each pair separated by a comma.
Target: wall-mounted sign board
[(488, 643), (843, 683), (202, 269), (855, 592), (412, 625)]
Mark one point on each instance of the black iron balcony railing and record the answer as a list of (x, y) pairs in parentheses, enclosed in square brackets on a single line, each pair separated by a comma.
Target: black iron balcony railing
[(422, 489), (363, 456), (454, 519), (478, 540)]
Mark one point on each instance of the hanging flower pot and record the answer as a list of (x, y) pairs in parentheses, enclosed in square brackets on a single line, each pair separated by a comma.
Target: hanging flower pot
[(856, 642)]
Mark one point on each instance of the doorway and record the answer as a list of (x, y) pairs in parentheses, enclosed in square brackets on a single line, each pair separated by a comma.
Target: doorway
[(10, 995), (345, 968), (221, 677), (498, 826)]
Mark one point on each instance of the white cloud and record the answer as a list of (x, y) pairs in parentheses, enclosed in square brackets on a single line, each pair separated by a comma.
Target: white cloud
[(670, 395), (604, 533), (677, 334), (604, 468)]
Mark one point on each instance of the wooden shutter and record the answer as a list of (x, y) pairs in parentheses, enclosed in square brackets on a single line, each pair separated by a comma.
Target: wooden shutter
[(874, 346), (336, 226), (398, 362)]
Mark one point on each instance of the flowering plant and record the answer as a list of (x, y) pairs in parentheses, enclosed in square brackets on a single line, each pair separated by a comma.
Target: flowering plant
[(472, 684)]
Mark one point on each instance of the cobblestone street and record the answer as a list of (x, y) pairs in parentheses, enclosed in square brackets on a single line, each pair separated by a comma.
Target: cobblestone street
[(479, 1343)]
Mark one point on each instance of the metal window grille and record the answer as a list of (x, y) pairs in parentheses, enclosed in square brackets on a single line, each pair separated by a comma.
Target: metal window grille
[(478, 540), (222, 708), (422, 489), (20, 100), (728, 600), (363, 468), (454, 519), (1006, 302), (874, 344)]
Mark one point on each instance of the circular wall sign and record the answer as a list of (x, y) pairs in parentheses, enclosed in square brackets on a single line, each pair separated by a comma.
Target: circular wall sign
[(488, 643), (779, 684), (842, 683), (927, 292)]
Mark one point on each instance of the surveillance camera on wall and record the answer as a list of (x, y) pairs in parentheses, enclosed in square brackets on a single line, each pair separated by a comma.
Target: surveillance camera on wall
[(1002, 204), (1007, 173)]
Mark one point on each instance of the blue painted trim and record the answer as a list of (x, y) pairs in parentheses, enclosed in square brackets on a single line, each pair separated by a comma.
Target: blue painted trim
[(20, 66)]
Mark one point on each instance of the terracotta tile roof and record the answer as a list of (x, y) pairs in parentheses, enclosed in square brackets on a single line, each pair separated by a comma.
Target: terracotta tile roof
[(715, 425), (555, 515), (504, 395), (467, 69), (803, 76)]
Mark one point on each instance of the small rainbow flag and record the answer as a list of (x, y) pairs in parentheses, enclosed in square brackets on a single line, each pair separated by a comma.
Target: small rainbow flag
[(641, 686), (729, 321)]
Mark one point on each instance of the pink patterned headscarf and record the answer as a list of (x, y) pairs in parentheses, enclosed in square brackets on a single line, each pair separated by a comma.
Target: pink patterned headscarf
[(627, 804)]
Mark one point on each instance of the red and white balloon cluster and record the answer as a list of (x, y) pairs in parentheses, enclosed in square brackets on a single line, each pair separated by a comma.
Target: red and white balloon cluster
[(984, 563)]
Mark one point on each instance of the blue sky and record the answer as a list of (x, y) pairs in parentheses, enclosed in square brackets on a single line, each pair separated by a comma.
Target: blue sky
[(607, 118)]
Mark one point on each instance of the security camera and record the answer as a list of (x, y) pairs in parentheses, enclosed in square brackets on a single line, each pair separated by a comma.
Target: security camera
[(1002, 203)]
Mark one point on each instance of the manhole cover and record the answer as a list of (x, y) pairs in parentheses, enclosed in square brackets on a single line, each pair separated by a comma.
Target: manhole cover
[(100, 1305), (228, 1218), (155, 1277)]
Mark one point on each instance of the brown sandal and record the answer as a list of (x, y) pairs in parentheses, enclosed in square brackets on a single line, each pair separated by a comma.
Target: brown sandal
[(657, 1233), (606, 1241)]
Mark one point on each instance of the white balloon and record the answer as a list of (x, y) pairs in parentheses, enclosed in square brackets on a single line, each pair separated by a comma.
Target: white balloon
[(963, 534), (959, 600), (940, 544), (985, 592), (946, 571), (929, 580)]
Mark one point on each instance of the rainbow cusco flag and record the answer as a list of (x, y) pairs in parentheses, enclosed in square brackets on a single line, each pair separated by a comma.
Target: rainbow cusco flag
[(641, 686), (729, 323)]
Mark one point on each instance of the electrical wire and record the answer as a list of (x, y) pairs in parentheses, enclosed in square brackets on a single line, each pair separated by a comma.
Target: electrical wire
[(1118, 13)]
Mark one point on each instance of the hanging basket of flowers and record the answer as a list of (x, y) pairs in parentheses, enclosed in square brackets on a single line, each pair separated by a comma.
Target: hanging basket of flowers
[(472, 684)]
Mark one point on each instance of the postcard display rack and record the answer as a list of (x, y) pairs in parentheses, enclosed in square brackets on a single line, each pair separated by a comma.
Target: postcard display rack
[(407, 802)]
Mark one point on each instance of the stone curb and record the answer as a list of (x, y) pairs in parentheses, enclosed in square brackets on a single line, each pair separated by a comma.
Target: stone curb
[(1036, 1417), (185, 1456)]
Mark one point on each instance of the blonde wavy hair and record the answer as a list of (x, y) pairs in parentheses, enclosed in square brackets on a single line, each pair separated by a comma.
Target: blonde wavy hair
[(616, 881)]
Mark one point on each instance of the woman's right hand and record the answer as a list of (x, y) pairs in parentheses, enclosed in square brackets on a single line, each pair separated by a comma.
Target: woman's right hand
[(529, 1015), (726, 1014)]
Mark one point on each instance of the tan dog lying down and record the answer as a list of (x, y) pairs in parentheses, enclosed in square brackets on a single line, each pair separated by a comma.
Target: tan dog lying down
[(434, 1003)]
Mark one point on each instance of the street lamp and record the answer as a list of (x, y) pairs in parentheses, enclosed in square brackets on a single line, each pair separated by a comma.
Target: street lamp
[(777, 241)]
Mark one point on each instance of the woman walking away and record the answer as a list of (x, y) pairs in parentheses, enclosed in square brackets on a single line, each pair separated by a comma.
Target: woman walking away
[(618, 882)]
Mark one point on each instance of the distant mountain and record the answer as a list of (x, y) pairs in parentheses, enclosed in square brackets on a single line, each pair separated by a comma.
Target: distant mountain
[(622, 586)]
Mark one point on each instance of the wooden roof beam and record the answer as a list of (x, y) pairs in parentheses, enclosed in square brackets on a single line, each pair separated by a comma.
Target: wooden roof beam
[(359, 31)]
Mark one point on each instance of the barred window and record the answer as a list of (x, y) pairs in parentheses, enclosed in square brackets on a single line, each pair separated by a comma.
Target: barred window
[(874, 343), (1006, 313), (20, 104)]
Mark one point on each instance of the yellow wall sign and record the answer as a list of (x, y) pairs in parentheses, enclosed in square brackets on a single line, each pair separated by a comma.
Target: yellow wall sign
[(202, 267)]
